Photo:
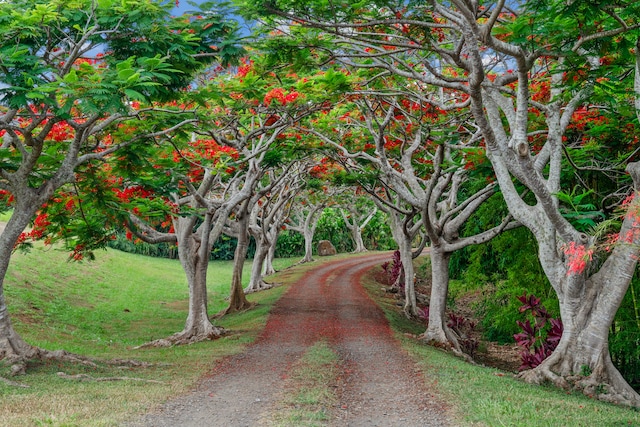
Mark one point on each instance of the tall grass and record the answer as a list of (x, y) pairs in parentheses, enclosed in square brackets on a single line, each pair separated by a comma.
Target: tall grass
[(103, 309)]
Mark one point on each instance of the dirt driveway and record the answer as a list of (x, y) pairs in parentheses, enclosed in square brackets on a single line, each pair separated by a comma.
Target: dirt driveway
[(380, 385)]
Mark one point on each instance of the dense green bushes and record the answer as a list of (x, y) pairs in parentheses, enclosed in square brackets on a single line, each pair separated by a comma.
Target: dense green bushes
[(331, 226), (223, 250)]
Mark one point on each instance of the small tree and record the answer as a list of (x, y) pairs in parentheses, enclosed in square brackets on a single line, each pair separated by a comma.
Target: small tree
[(356, 216), (267, 218)]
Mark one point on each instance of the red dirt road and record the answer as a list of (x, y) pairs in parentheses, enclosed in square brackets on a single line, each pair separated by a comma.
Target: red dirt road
[(380, 385)]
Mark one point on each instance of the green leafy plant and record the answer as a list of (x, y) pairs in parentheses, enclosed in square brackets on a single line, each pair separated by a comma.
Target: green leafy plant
[(582, 213)]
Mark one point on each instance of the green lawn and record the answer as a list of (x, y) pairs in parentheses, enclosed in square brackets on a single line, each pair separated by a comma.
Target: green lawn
[(103, 309), (106, 307)]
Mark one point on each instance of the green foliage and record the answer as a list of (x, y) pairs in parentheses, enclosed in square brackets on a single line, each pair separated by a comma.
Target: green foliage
[(146, 53), (503, 269), (331, 227), (290, 244), (578, 211), (223, 249), (377, 234), (160, 250)]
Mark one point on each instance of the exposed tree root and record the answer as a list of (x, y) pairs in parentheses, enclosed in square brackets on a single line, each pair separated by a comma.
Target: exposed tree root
[(303, 261), (186, 337), (234, 309), (13, 383), (260, 286), (447, 340), (20, 362), (592, 386), (85, 377), (131, 363)]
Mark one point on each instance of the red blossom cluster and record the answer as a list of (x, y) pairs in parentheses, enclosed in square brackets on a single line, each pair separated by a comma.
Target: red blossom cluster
[(136, 191), (578, 256), (6, 196), (40, 225), (391, 143), (244, 69), (61, 131), (324, 169), (280, 95)]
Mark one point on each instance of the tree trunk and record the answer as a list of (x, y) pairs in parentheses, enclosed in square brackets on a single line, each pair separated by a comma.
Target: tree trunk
[(406, 256), (582, 359), (437, 331), (198, 326), (13, 349), (356, 234), (268, 262), (194, 262), (238, 300), (308, 245), (255, 282), (12, 346)]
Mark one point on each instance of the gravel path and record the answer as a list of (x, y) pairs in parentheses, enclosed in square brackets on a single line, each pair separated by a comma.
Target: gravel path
[(380, 385)]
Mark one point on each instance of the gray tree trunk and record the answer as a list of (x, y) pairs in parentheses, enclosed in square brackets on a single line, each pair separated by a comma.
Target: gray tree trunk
[(268, 262), (437, 330), (194, 258), (237, 299), (356, 235), (256, 282), (308, 244), (12, 346), (406, 256)]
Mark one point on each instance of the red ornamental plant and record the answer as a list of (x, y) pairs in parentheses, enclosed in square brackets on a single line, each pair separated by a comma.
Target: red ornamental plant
[(463, 327), (537, 340), (393, 269)]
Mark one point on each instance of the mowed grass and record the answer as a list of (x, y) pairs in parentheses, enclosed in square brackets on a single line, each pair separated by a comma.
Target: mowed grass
[(481, 396), (309, 392), (103, 309)]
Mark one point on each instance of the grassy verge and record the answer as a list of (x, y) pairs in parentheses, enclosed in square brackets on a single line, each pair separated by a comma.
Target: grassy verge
[(103, 309), (309, 395), (480, 396)]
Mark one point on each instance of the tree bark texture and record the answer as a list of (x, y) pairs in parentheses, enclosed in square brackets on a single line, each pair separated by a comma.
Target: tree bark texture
[(237, 298), (12, 346), (406, 257), (437, 331), (256, 282)]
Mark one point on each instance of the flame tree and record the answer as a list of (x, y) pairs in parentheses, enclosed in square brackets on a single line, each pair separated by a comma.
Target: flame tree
[(70, 72), (583, 53)]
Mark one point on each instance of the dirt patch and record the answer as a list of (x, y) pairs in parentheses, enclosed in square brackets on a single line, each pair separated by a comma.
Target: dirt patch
[(379, 385)]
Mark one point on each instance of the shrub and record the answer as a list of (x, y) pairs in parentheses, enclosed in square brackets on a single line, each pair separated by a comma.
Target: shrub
[(464, 328), (537, 340), (393, 271)]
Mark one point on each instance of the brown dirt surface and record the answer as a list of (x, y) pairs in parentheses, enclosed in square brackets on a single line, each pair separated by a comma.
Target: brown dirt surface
[(379, 384)]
